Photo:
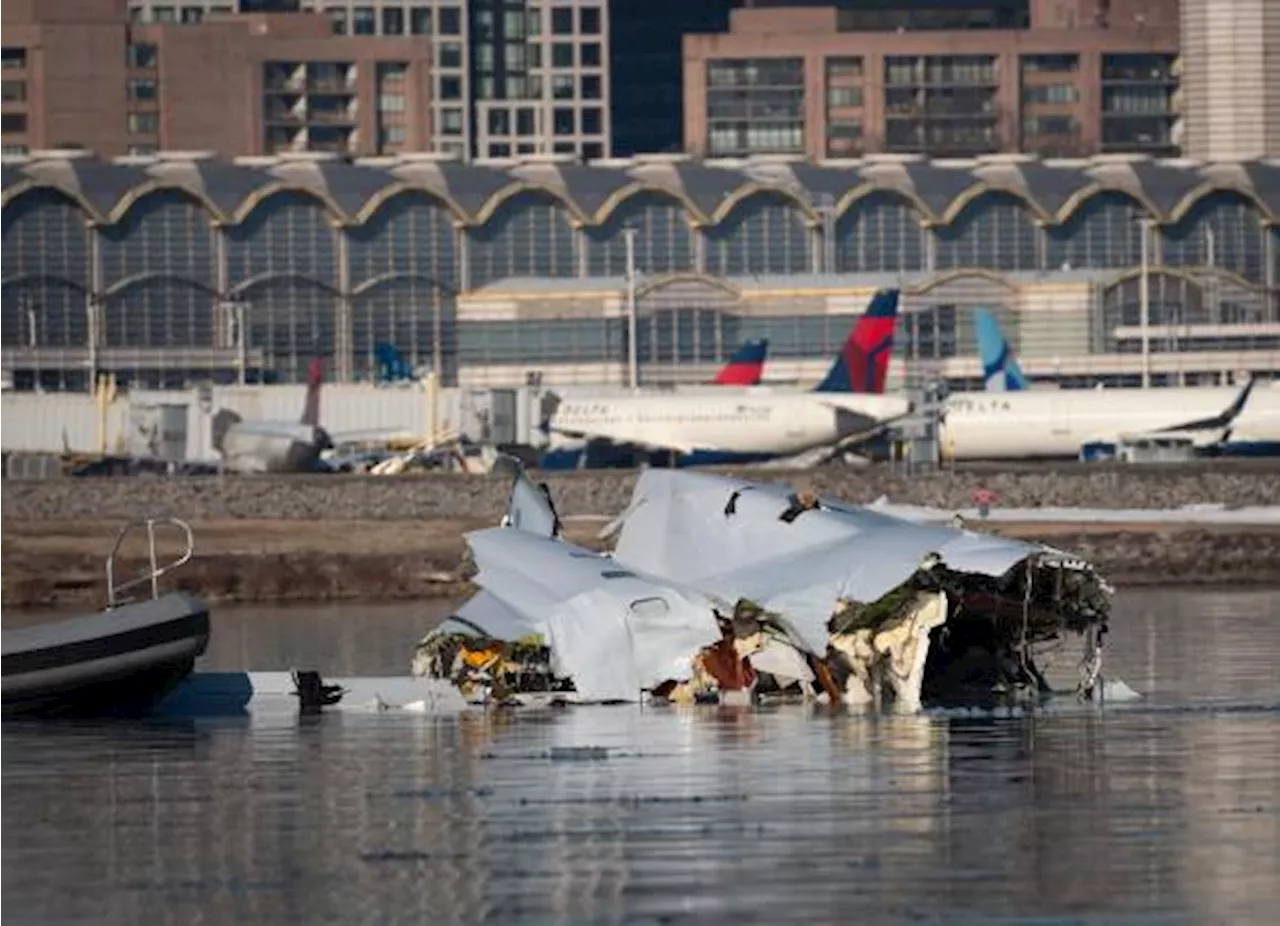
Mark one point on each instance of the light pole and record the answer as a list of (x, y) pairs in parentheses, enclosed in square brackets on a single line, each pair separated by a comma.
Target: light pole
[(1144, 300), (33, 341), (633, 367)]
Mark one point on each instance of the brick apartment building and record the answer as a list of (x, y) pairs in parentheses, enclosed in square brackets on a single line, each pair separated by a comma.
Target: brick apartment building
[(81, 75), (1055, 77)]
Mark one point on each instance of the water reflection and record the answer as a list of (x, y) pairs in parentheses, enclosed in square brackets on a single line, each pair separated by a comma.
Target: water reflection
[(1162, 813)]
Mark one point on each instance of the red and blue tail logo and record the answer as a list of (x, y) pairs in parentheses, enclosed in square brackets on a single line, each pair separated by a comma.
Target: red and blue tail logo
[(746, 367), (863, 362)]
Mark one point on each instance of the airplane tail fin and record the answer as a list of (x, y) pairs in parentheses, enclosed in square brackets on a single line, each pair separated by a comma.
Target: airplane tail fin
[(863, 362), (392, 367), (529, 507), (746, 367), (315, 376), (1000, 372), (221, 423)]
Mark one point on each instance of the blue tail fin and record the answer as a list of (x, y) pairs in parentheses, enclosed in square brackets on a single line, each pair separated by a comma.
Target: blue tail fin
[(863, 361), (392, 367), (1000, 372)]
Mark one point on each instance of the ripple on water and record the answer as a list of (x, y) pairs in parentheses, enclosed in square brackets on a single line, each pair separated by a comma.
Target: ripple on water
[(1161, 811)]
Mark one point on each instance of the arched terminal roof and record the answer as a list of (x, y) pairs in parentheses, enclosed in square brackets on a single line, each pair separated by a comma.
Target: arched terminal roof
[(354, 189)]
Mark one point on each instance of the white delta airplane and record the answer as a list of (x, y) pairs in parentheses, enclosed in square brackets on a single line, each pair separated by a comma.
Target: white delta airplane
[(1010, 421), (742, 425)]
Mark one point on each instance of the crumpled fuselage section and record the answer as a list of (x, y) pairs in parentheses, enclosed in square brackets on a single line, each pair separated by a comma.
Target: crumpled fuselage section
[(720, 589)]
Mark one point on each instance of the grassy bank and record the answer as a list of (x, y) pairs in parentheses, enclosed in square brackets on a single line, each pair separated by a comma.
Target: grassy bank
[(61, 563)]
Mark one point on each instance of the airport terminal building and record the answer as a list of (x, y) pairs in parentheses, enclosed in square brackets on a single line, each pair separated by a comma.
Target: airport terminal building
[(180, 268)]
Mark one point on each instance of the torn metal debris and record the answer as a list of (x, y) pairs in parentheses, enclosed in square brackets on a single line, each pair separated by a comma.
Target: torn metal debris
[(720, 589)]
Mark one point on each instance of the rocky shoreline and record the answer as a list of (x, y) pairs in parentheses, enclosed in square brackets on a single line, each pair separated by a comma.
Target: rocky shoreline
[(65, 575), (448, 495), (325, 538)]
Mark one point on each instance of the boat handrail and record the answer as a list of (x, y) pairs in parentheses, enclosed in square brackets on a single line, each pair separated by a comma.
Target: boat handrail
[(113, 591)]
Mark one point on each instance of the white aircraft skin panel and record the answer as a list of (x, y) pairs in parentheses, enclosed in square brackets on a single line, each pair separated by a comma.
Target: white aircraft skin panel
[(1016, 425), (742, 423)]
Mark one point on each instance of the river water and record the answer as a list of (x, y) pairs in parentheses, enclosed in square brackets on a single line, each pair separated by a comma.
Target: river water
[(1162, 811)]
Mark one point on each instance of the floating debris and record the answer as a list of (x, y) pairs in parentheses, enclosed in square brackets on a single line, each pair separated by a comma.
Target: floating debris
[(724, 591)]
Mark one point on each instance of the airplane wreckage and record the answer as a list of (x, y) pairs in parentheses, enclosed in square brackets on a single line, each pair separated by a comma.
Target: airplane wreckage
[(719, 589)]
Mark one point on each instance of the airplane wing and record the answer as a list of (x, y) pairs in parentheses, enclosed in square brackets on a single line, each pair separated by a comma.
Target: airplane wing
[(1202, 432)]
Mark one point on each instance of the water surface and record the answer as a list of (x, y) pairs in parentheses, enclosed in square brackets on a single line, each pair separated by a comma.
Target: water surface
[(1161, 812)]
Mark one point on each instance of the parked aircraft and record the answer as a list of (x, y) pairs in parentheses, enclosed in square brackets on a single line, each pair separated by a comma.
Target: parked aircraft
[(1000, 371), (744, 425), (277, 446), (1060, 423)]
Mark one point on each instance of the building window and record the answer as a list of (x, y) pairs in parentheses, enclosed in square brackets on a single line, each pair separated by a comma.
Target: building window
[(593, 150), (486, 87), (563, 120), (144, 123), (450, 88), (163, 14), (525, 124), (392, 20), (513, 24), (500, 150), (13, 91), (392, 70), (482, 55), (1050, 64), (337, 21), (451, 121), (363, 21), (391, 103), (562, 86), (591, 121), (589, 20), (533, 55), (13, 122), (143, 150), (564, 147), (844, 138), (562, 20), (142, 89), (533, 19), (844, 96), (450, 55), (450, 21), (1050, 93), (590, 54), (755, 105), (844, 69), (590, 87), (141, 55), (514, 57), (1049, 125), (420, 20), (391, 135), (517, 88), (13, 59), (14, 151), (526, 148), (499, 122), (192, 14), (562, 55)]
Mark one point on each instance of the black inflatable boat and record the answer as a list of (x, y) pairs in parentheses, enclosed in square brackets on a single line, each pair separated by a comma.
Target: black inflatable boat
[(117, 661)]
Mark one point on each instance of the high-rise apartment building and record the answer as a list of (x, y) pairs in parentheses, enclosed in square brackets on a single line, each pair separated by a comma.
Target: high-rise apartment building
[(234, 84), (1055, 77), (1231, 78), (509, 77)]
